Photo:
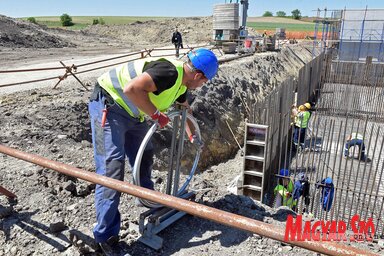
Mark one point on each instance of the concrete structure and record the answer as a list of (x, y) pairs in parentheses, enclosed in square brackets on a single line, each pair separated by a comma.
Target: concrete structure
[(225, 21)]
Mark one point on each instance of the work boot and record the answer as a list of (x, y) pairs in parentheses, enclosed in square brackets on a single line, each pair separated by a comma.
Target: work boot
[(112, 247)]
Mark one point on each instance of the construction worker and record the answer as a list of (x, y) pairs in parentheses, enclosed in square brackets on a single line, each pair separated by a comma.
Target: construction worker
[(264, 33), (177, 40), (121, 100), (301, 123), (355, 139), (284, 189)]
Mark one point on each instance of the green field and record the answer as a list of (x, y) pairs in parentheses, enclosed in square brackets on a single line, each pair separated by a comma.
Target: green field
[(287, 26), (81, 22), (261, 23)]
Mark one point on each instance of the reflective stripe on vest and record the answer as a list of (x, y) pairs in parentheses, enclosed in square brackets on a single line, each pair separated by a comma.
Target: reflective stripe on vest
[(119, 89), (302, 119), (357, 136), (115, 80)]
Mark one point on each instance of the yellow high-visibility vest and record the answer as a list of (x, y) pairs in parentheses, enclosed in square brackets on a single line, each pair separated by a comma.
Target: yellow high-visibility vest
[(116, 79), (302, 119)]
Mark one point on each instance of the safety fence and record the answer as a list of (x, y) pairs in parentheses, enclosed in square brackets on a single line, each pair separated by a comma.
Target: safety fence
[(338, 110), (60, 73)]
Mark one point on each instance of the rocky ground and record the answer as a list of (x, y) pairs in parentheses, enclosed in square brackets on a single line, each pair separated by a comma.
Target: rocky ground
[(54, 213)]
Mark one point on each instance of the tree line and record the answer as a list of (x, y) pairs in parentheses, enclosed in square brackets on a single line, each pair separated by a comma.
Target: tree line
[(66, 20), (296, 14)]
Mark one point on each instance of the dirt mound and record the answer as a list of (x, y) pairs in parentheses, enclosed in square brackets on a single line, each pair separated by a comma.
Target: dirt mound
[(156, 33), (17, 33)]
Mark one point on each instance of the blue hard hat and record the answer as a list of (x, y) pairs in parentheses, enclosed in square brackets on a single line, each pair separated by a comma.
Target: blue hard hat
[(328, 180), (284, 172), (205, 61)]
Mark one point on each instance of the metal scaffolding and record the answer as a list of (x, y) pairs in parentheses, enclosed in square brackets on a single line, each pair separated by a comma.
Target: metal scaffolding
[(353, 34), (326, 32)]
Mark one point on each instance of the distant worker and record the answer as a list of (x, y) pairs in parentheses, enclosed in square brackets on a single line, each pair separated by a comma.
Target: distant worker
[(301, 189), (264, 33), (294, 112), (284, 190), (118, 106), (301, 124), (355, 139), (177, 41)]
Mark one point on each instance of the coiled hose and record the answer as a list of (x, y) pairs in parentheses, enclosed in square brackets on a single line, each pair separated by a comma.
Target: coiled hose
[(148, 136)]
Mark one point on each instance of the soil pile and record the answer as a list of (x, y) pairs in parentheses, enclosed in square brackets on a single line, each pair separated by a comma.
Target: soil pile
[(138, 35), (23, 34)]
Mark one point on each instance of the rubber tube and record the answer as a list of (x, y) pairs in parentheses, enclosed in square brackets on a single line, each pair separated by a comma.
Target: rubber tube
[(148, 136)]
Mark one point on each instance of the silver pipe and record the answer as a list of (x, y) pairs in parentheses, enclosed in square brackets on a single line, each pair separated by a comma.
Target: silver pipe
[(173, 147), (180, 150)]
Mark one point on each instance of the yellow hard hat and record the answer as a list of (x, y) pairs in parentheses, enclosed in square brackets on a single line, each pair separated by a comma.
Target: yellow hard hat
[(307, 105), (302, 108)]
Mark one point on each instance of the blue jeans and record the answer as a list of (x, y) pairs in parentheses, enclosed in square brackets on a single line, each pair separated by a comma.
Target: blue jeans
[(355, 142), (299, 133), (120, 137)]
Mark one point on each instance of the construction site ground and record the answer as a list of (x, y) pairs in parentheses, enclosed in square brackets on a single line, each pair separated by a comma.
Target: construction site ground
[(54, 214)]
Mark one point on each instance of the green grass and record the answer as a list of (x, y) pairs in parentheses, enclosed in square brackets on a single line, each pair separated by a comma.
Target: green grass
[(81, 22), (287, 26)]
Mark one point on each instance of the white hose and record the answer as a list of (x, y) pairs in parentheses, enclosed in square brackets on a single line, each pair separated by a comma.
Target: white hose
[(139, 156)]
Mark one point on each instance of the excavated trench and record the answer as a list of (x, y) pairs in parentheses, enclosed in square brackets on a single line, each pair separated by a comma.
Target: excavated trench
[(58, 117)]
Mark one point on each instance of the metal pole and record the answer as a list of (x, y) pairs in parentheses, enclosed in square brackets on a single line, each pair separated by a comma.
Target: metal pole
[(199, 210), (362, 33), (171, 158), (342, 33), (339, 169), (7, 193), (180, 150)]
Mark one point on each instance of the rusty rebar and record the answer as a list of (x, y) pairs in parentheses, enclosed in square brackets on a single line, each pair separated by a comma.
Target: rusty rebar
[(7, 193), (202, 211)]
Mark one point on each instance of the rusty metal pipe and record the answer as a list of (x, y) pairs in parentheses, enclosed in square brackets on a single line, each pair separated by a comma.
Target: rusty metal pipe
[(202, 211), (7, 193)]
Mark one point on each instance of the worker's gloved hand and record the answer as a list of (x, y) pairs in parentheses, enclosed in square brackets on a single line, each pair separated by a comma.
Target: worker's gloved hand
[(195, 140), (161, 118)]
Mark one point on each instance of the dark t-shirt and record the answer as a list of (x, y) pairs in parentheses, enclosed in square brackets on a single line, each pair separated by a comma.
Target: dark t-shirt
[(164, 75)]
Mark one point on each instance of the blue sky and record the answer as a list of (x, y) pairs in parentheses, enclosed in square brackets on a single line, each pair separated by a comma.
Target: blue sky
[(170, 8)]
